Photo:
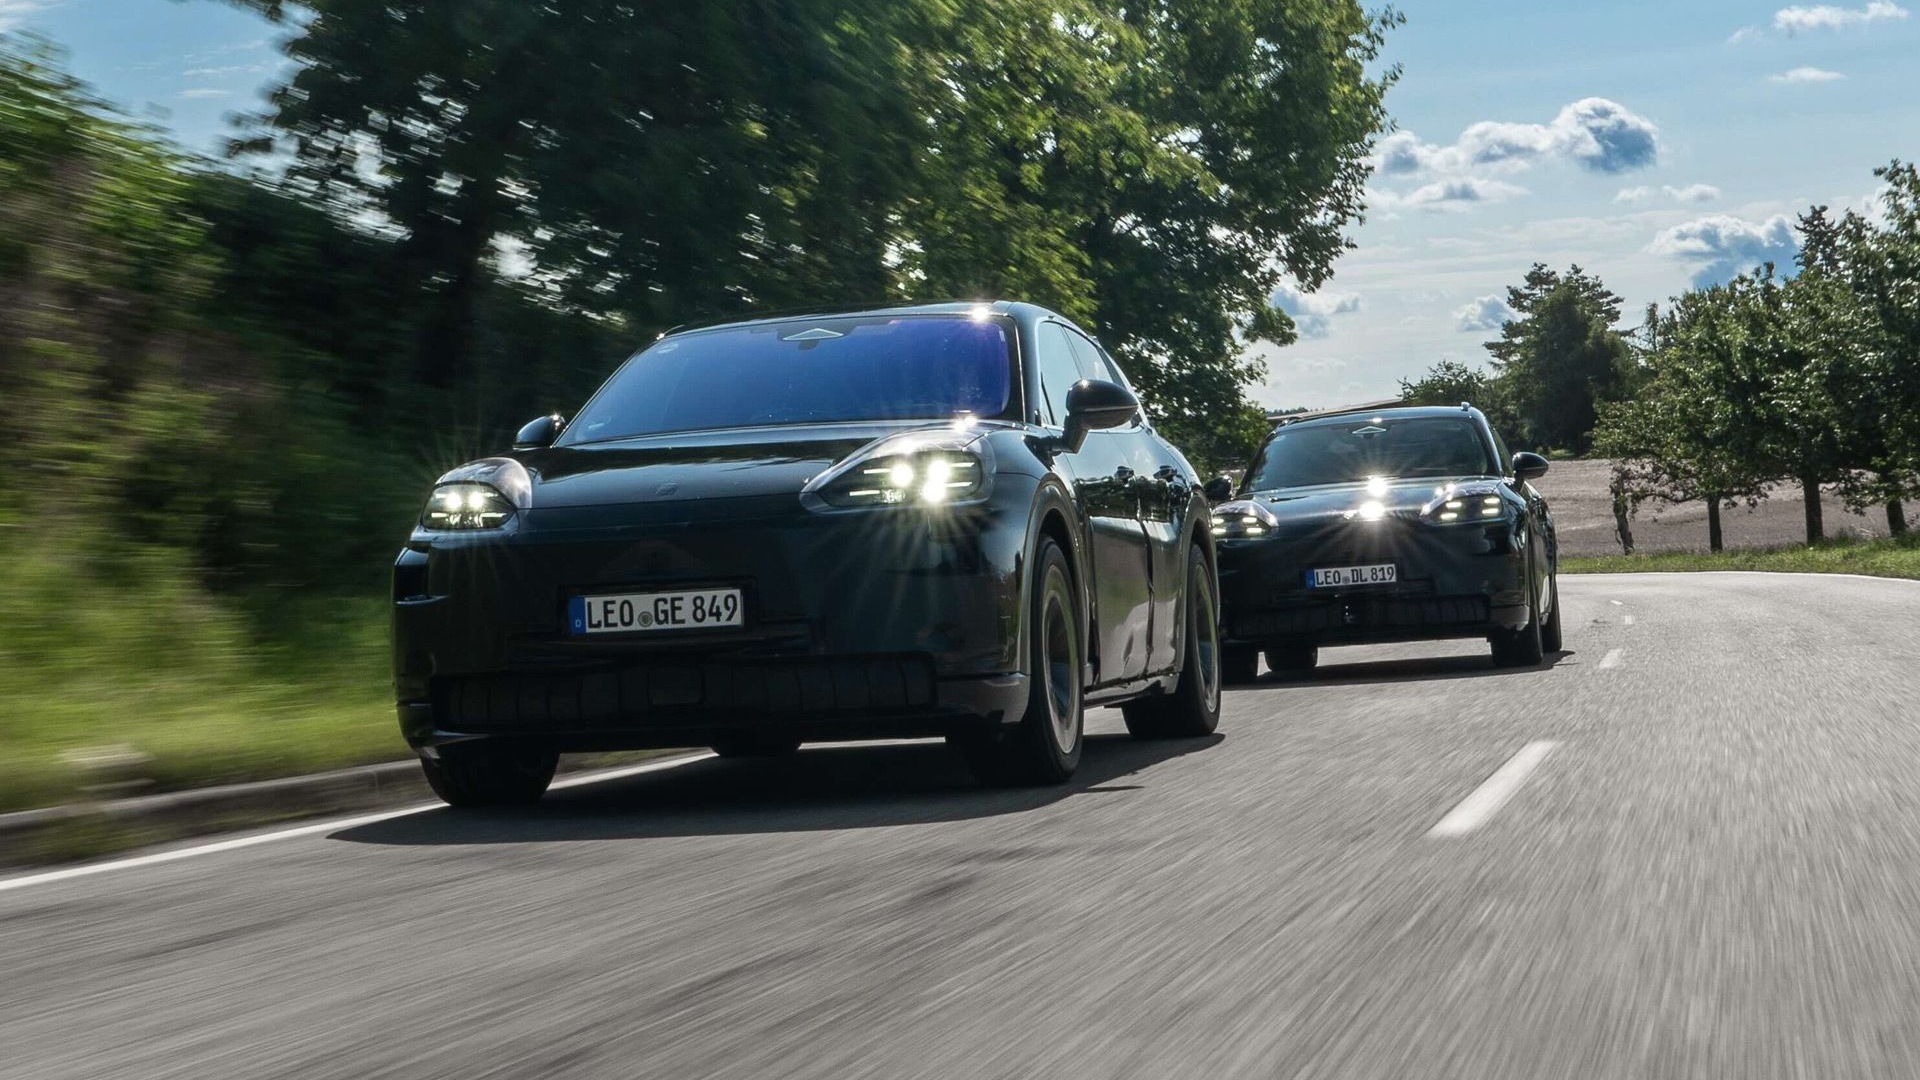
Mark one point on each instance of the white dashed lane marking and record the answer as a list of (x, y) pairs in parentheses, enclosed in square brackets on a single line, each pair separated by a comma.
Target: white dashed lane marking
[(1475, 810)]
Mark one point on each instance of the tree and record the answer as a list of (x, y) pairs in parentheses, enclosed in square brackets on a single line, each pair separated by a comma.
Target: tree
[(1560, 358), (1152, 170), (1675, 441)]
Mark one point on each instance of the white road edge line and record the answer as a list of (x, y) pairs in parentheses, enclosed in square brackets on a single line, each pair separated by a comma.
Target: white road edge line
[(1477, 808), (68, 874), (1611, 660)]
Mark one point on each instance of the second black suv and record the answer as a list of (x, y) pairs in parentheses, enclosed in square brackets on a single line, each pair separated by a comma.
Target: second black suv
[(1386, 525)]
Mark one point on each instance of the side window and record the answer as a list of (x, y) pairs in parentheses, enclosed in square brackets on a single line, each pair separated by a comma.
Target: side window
[(1094, 362), (1096, 365), (1058, 372), (1500, 449)]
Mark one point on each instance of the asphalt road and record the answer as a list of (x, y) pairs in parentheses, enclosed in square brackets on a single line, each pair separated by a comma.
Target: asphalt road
[(1712, 869)]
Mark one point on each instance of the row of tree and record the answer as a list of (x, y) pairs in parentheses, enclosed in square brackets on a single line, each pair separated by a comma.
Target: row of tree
[(1806, 375), (457, 216)]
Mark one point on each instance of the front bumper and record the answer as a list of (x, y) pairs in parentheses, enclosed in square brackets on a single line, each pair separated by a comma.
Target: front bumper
[(859, 625), (1453, 582)]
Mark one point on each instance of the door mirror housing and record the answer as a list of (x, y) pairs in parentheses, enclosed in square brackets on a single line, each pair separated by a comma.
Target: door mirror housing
[(539, 434), (1219, 489), (1528, 466), (1094, 404)]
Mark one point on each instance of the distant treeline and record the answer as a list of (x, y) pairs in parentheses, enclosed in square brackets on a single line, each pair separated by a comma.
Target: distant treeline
[(1806, 375)]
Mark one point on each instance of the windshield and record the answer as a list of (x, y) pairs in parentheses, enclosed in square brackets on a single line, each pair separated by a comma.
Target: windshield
[(1353, 450), (908, 367)]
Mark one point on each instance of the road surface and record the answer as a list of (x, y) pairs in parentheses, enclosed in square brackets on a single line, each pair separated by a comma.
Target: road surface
[(1689, 847)]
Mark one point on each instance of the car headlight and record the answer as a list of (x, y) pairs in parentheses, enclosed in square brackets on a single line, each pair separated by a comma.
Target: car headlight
[(929, 478), (930, 469), (1243, 520), (466, 506), (1461, 507)]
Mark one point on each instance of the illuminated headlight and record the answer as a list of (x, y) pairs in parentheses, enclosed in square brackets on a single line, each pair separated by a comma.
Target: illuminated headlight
[(466, 507), (927, 478), (1469, 508), (1243, 520)]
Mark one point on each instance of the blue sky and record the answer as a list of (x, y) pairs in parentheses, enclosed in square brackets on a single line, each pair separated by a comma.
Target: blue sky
[(1657, 144)]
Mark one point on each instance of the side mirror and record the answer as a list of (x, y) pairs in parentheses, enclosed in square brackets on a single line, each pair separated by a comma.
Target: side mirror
[(540, 433), (1529, 466), (1219, 489), (1094, 404)]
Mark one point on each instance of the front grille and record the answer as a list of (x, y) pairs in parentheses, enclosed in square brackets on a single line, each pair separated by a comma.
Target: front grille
[(1362, 613), (660, 689)]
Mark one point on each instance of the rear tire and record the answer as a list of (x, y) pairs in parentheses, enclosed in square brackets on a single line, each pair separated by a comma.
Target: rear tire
[(1193, 709), (755, 746), (1551, 639), (1293, 661), (479, 774), (1044, 747)]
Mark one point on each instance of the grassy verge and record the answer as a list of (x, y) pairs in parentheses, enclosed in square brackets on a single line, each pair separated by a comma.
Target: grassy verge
[(134, 657), (1878, 558)]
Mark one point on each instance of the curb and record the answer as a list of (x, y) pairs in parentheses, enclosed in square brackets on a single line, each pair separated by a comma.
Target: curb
[(78, 830)]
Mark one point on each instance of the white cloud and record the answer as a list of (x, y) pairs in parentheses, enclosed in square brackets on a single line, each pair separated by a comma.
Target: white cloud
[(1594, 133), (1313, 313), (205, 92), (1794, 20), (1692, 193), (1745, 33), (1722, 246), (13, 12), (1806, 75), (1486, 314), (226, 69)]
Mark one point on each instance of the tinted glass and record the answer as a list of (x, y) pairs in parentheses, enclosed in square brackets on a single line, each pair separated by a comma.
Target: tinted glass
[(1058, 373), (1353, 450), (818, 371), (1092, 361)]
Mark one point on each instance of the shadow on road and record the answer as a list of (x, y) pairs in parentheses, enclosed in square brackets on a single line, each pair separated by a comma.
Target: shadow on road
[(829, 787), (1403, 670)]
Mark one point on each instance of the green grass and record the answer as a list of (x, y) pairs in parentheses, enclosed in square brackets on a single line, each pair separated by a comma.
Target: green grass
[(1878, 558), (130, 652)]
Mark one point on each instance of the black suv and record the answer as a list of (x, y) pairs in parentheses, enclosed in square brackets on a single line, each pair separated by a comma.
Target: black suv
[(1395, 524), (943, 520)]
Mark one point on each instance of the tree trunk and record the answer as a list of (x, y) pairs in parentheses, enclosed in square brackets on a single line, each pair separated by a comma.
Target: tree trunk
[(1622, 522), (1716, 541), (1896, 518), (1816, 529)]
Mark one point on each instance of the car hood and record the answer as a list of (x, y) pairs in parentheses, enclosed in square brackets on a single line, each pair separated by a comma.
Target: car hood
[(740, 463), (1396, 497)]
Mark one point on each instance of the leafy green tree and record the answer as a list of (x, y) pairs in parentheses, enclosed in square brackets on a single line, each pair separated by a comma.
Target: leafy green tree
[(1675, 440), (1561, 357)]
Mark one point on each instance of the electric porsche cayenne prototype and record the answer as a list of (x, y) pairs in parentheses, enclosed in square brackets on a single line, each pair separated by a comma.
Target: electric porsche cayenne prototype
[(943, 520), (1395, 525)]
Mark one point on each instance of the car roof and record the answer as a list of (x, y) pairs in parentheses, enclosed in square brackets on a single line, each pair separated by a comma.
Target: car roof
[(1395, 412), (936, 307)]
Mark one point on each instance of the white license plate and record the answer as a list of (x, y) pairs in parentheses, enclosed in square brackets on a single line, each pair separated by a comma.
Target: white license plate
[(693, 609), (1341, 576)]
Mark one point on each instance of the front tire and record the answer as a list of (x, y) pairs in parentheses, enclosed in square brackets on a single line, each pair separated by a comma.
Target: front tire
[(1551, 638), (1044, 747), (480, 774), (1193, 709), (1523, 647)]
